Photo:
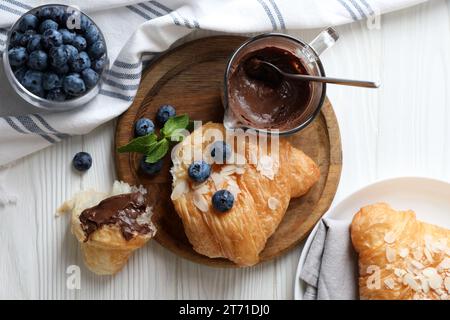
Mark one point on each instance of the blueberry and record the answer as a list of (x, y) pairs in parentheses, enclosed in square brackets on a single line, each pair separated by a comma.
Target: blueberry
[(85, 23), (99, 64), (34, 43), (48, 25), (15, 39), (58, 56), (220, 151), (144, 127), (199, 171), (223, 200), (81, 62), (17, 56), (72, 52), (28, 22), (97, 49), (164, 113), (20, 73), (90, 77), (92, 34), (61, 70), (56, 94), (150, 168), (38, 60), (56, 13), (80, 43), (52, 38), (74, 85), (82, 161), (32, 80), (67, 35), (26, 37), (44, 13), (51, 81)]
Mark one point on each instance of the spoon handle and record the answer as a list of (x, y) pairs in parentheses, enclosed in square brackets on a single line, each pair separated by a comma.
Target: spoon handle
[(344, 82)]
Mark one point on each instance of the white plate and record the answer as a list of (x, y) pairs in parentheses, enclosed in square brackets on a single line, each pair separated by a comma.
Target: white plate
[(428, 198)]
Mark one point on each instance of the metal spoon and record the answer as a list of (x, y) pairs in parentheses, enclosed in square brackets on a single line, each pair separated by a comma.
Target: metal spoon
[(345, 82)]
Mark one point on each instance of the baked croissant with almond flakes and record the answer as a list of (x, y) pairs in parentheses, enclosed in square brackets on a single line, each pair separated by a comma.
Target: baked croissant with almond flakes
[(399, 256), (261, 182)]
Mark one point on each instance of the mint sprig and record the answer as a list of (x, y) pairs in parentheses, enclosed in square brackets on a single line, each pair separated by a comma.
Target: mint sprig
[(175, 124), (141, 145), (158, 152), (155, 148)]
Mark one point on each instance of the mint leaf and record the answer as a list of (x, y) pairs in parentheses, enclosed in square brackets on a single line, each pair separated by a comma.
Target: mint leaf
[(158, 151), (174, 124), (141, 145), (178, 135)]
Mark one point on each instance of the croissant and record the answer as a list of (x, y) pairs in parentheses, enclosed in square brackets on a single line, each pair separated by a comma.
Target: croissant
[(110, 227), (399, 256), (261, 183)]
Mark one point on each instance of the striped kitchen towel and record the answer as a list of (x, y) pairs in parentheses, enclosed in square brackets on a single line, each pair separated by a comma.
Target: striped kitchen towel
[(136, 32)]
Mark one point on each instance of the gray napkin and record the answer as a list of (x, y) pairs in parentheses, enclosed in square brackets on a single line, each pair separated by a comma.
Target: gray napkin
[(331, 266)]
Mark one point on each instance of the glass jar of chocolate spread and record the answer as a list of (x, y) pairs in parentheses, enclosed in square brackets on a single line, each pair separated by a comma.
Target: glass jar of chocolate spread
[(256, 97)]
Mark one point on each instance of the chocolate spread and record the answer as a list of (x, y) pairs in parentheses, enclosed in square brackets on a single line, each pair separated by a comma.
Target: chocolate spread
[(259, 97), (122, 210)]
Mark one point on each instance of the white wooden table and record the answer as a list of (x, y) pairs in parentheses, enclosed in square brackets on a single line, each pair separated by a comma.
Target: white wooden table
[(401, 129)]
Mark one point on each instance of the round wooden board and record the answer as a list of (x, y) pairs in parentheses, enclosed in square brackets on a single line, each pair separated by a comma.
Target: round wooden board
[(190, 78)]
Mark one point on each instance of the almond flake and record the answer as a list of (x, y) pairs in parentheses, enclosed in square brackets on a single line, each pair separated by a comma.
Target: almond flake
[(234, 189), (416, 264), (266, 167), (218, 180), (409, 280), (404, 252), (424, 284), (390, 283), (273, 203), (443, 296), (389, 237), (200, 202), (180, 189), (390, 254), (435, 281), (429, 272)]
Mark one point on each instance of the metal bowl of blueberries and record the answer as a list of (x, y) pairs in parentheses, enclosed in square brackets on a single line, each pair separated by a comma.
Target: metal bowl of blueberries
[(56, 57)]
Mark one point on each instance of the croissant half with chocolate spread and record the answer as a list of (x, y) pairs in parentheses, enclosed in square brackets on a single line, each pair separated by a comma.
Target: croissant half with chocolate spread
[(262, 185), (399, 256), (110, 227)]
